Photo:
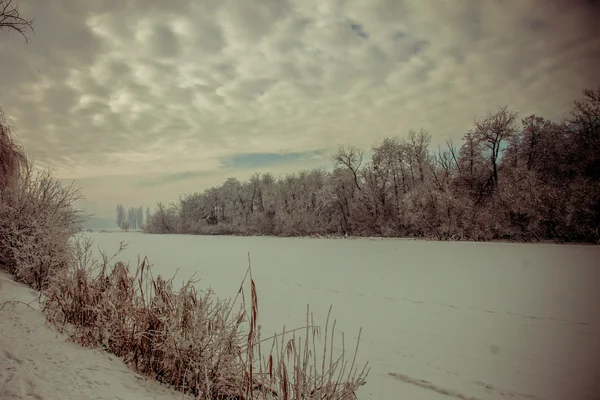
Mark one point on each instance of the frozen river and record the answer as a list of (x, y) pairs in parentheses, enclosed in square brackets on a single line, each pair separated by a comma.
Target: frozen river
[(440, 320)]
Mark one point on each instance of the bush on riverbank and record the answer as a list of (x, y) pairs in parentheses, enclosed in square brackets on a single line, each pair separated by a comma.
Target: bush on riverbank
[(37, 216)]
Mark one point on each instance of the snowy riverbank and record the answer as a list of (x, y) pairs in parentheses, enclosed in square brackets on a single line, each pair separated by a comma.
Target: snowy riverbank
[(36, 362)]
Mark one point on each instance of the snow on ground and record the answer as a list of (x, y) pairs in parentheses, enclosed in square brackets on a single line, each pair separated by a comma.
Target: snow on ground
[(467, 321), (36, 362), (441, 320)]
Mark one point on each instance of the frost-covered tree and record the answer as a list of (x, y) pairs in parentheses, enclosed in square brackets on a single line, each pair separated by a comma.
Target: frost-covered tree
[(504, 182), (131, 218), (139, 218), (492, 131), (121, 215), (126, 225)]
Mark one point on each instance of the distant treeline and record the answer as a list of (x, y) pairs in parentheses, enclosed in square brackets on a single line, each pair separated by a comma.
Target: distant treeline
[(532, 179), (131, 218)]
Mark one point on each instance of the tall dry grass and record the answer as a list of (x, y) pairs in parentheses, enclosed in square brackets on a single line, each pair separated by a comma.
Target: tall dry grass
[(193, 341)]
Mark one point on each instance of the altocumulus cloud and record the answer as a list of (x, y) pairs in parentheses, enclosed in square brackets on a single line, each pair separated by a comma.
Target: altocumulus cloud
[(160, 93)]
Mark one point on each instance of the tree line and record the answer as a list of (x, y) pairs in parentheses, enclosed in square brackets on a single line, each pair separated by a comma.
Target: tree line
[(510, 179), (131, 218)]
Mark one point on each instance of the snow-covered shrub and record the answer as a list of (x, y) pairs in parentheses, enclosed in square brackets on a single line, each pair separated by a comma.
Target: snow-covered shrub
[(37, 220), (37, 216)]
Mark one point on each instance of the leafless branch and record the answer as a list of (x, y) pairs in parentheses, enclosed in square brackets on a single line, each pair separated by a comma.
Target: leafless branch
[(10, 19), (352, 158)]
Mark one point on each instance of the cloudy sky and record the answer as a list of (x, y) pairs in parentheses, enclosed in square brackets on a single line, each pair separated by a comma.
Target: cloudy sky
[(141, 101)]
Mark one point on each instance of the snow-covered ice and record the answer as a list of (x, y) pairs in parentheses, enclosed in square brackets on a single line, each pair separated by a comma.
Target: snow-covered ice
[(440, 320)]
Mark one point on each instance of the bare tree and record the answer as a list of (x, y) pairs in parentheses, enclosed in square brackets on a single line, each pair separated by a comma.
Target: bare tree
[(351, 157), (120, 215), (534, 130), (12, 156), (10, 19), (391, 154), (585, 124), (419, 143), (453, 153), (164, 219), (131, 218), (491, 131), (406, 189), (443, 165), (139, 218), (586, 115), (126, 225), (342, 197)]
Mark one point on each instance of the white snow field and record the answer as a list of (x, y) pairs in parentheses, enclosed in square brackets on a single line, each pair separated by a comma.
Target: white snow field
[(441, 320)]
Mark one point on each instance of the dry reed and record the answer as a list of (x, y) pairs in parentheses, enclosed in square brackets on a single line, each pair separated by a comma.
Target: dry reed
[(191, 340)]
